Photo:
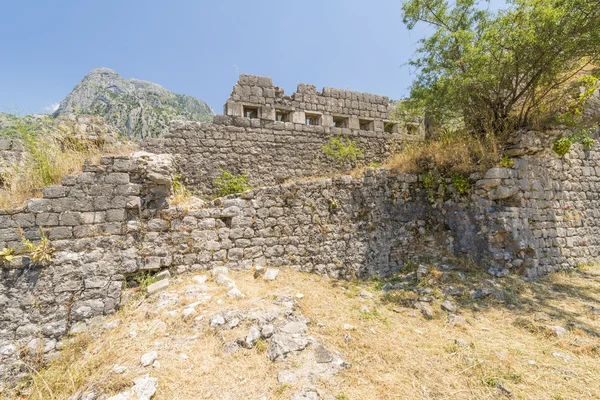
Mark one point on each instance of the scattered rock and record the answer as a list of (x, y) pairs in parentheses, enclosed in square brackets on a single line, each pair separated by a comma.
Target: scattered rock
[(145, 387), (388, 287), (163, 275), (216, 271), (217, 321), (448, 306), (366, 295), (422, 272), (252, 337), (557, 331), (112, 325), (271, 274), (563, 356), (504, 389), (305, 394), (258, 271), (235, 292), (149, 358), (158, 287), (234, 322), (348, 327), (299, 296), (294, 328), (454, 320), (425, 309), (267, 331), (189, 313), (224, 280), (287, 377), (230, 347), (119, 369), (322, 355), (482, 292), (200, 279), (280, 345)]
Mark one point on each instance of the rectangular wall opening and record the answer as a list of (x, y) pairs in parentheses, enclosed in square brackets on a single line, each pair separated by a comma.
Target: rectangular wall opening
[(313, 119), (340, 122), (412, 129), (250, 112), (365, 124), (390, 127), (282, 116)]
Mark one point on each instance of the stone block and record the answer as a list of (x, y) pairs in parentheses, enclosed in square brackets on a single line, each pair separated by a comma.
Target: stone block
[(53, 192)]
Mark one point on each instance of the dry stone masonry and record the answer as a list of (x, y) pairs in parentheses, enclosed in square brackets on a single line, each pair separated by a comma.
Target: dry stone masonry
[(114, 219), (274, 137)]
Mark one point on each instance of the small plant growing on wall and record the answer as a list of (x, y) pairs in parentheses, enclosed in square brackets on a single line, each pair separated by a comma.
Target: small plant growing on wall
[(180, 192), (7, 255), (342, 149), (461, 183), (39, 253), (563, 145), (228, 183), (507, 162)]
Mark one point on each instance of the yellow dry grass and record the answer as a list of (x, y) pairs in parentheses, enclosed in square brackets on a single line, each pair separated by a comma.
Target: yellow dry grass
[(451, 153), (393, 353), (54, 158)]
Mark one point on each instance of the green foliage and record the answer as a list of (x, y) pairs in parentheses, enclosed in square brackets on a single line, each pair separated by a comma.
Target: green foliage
[(39, 253), (500, 70), (461, 183), (7, 255), (506, 162), (228, 183), (563, 145), (144, 278), (342, 149), (428, 180)]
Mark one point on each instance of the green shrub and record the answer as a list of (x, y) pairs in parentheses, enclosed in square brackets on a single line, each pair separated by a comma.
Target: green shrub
[(228, 183), (461, 183), (562, 145), (6, 255), (507, 162), (342, 149), (39, 253), (428, 180)]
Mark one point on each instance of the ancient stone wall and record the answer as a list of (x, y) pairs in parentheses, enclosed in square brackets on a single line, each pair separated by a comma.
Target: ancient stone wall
[(113, 220), (87, 219), (275, 138)]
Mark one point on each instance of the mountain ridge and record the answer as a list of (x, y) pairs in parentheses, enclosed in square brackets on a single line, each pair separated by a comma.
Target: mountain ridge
[(138, 109)]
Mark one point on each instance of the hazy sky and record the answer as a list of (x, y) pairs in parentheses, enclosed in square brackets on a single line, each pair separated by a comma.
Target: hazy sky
[(198, 47)]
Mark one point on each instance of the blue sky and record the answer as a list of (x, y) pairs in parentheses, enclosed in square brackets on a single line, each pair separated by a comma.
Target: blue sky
[(198, 47)]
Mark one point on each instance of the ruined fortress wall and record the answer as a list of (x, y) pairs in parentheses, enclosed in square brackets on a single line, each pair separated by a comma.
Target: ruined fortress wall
[(548, 208), (87, 219), (275, 138), (113, 220)]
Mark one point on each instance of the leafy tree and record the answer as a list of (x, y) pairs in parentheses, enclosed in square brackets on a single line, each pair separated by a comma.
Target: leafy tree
[(497, 71)]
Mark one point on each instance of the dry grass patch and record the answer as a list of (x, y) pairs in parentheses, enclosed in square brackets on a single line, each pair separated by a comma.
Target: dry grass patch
[(50, 156), (394, 354), (451, 153)]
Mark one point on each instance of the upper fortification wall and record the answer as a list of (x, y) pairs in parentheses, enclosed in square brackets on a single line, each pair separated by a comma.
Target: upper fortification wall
[(257, 97), (273, 137)]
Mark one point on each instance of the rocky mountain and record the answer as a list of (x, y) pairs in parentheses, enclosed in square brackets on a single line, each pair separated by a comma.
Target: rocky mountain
[(138, 109)]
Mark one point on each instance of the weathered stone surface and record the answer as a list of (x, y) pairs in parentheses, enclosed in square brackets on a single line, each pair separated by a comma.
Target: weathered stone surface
[(158, 286)]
